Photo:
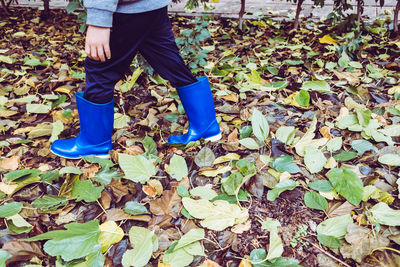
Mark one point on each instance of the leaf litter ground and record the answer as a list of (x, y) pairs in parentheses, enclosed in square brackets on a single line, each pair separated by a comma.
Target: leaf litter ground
[(299, 113)]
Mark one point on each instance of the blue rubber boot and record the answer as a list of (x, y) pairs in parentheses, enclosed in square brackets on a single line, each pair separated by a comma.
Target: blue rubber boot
[(95, 134), (198, 103)]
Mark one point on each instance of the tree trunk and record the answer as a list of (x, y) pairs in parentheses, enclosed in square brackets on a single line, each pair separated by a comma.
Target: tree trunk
[(396, 18), (241, 13), (359, 9), (46, 10), (298, 10), (5, 7)]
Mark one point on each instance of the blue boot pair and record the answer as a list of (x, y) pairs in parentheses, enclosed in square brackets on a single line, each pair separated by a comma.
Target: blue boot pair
[(96, 122)]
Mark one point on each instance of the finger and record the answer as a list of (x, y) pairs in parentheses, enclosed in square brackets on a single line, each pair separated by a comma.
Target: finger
[(108, 51), (100, 53), (93, 52), (87, 49)]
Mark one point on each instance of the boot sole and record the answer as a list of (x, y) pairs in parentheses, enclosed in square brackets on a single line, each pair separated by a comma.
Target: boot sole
[(101, 156), (214, 138)]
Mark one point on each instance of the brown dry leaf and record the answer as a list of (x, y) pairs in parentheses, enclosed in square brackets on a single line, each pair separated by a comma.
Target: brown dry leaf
[(352, 78), (119, 215), (233, 141), (168, 204), (118, 189), (231, 97), (105, 199), (325, 131), (362, 241), (91, 170), (241, 228), (153, 187), (134, 150), (8, 188), (210, 263), (162, 221), (23, 251), (10, 164), (339, 209)]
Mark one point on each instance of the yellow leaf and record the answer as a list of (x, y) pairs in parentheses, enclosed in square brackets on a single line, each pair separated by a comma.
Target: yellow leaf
[(110, 234), (214, 1), (160, 264), (226, 158), (394, 90), (64, 89), (327, 39), (213, 173), (331, 163), (245, 263)]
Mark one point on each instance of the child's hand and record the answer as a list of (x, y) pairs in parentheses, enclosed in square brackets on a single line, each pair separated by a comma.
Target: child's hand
[(97, 44)]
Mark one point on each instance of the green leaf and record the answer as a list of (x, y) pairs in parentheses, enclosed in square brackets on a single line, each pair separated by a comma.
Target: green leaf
[(249, 143), (10, 209), (86, 190), (182, 191), (275, 242), (321, 185), (242, 196), (23, 173), (217, 215), (260, 125), (286, 134), (18, 225), (258, 259), (315, 201), (279, 188), (362, 146), (390, 159), (150, 146), (329, 241), (303, 98), (345, 156), (347, 184), (205, 157), (190, 237), (106, 174), (38, 108), (4, 256), (49, 177), (70, 169), (383, 214), (319, 86), (232, 183), (121, 120), (142, 241), (284, 163), (314, 159), (102, 162), (136, 168), (363, 116), (178, 258), (336, 226), (58, 127), (334, 144), (135, 208), (177, 168), (79, 240), (49, 203), (204, 192)]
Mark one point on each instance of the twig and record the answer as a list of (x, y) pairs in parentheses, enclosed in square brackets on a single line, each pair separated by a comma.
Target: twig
[(330, 255)]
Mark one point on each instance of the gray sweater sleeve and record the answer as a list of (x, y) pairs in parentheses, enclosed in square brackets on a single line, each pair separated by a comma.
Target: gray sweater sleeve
[(100, 12)]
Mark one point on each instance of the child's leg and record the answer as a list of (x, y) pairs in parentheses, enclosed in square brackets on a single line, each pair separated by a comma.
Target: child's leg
[(160, 50), (127, 33)]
